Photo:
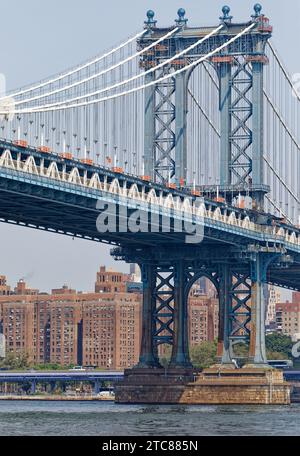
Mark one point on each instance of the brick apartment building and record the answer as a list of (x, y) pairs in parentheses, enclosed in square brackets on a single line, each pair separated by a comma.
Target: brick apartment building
[(109, 281), (112, 330), (40, 325), (203, 319), (4, 288), (101, 329), (288, 317), (274, 296)]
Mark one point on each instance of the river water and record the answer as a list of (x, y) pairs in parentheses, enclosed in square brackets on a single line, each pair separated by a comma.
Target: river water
[(30, 418)]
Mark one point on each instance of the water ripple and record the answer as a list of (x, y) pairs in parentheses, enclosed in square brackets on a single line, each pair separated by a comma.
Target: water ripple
[(107, 419)]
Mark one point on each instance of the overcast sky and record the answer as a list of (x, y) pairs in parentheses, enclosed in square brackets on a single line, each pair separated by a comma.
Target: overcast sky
[(41, 38)]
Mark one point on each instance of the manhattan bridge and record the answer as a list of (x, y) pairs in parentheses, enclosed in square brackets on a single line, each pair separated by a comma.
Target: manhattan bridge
[(169, 116)]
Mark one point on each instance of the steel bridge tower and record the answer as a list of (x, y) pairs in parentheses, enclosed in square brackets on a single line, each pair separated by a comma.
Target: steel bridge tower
[(238, 272), (240, 73)]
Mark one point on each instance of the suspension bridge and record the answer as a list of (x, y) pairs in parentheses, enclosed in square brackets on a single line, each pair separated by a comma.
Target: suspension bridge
[(186, 126)]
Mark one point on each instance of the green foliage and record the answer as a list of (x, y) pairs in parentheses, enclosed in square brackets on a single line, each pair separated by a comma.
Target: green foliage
[(276, 355), (49, 367), (15, 362), (241, 350), (165, 359), (204, 355), (20, 361), (279, 345)]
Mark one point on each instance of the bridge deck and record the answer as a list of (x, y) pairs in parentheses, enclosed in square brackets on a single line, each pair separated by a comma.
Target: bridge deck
[(39, 191)]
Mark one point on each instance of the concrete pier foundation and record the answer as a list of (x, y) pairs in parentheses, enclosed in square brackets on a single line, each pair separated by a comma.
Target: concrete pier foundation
[(213, 386)]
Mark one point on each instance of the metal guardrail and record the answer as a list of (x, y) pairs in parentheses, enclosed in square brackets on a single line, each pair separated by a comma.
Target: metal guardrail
[(21, 377)]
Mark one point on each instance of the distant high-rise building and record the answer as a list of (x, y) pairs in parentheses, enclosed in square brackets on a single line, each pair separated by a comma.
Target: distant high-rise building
[(21, 289), (18, 324), (288, 317), (63, 290), (112, 330), (273, 297), (100, 329), (135, 273), (203, 319), (110, 281), (4, 288)]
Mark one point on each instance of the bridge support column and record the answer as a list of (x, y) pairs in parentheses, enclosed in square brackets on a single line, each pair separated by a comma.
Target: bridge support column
[(180, 128), (225, 104), (257, 352), (224, 349), (257, 132), (149, 126), (147, 357), (180, 354), (97, 386), (33, 387)]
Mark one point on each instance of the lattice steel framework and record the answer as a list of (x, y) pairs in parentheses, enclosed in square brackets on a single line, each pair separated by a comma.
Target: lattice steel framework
[(164, 139), (163, 315), (240, 67), (241, 111), (240, 312)]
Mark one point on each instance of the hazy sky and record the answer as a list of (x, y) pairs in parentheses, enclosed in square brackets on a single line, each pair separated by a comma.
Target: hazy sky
[(40, 38)]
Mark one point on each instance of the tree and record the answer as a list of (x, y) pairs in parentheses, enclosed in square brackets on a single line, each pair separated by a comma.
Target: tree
[(165, 358), (204, 355), (241, 350), (280, 344), (15, 361), (50, 367)]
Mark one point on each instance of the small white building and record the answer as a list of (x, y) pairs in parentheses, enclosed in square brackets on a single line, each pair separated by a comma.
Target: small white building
[(2, 346)]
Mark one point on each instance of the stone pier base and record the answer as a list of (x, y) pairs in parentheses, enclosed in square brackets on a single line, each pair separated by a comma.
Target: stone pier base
[(213, 386)]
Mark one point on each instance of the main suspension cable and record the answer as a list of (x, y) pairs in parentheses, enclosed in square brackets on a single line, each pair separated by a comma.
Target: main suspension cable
[(136, 89), (94, 76), (77, 69)]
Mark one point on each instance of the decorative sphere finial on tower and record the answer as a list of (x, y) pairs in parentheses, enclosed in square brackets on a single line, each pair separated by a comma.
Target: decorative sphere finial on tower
[(150, 19), (257, 9), (181, 13), (150, 15), (226, 14), (226, 11), (181, 17)]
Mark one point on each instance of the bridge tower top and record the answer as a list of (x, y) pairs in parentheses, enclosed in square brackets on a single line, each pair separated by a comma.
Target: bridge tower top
[(239, 67), (182, 20), (150, 23)]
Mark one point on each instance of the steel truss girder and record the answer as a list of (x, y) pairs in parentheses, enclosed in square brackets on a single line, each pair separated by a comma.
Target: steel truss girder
[(164, 139), (239, 294), (241, 110), (163, 315), (242, 137), (194, 273), (238, 280), (240, 312)]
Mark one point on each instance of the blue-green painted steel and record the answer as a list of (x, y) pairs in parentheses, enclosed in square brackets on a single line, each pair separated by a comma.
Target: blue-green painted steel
[(149, 127), (225, 104)]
